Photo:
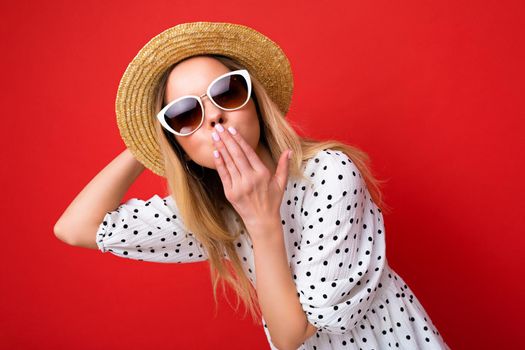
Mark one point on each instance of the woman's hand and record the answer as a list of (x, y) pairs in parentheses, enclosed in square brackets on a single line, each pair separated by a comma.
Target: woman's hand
[(254, 192)]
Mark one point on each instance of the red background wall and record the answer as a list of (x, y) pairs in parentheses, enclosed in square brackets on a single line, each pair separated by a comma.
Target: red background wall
[(433, 92)]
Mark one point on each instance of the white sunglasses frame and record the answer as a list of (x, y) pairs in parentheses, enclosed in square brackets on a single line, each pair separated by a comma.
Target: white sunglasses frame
[(242, 72)]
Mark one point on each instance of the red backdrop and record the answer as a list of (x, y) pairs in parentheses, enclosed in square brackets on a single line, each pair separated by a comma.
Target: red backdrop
[(432, 92)]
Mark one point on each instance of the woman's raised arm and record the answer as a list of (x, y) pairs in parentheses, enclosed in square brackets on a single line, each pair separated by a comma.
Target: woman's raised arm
[(79, 222)]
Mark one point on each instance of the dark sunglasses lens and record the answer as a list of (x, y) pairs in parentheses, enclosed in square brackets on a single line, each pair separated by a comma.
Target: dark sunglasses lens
[(184, 116), (230, 92)]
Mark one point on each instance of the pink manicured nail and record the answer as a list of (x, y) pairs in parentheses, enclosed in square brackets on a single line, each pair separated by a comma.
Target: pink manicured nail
[(215, 153), (215, 136), (232, 130), (219, 127)]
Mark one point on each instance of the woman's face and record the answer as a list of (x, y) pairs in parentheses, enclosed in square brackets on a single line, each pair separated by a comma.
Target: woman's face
[(192, 77)]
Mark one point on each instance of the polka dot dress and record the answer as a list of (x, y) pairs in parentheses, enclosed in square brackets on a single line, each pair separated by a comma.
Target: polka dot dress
[(335, 243)]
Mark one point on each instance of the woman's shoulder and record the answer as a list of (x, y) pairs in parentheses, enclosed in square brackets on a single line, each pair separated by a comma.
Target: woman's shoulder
[(329, 172), (330, 161), (328, 153)]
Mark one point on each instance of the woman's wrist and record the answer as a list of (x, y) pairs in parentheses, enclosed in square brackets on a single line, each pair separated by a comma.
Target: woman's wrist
[(267, 231), (136, 167)]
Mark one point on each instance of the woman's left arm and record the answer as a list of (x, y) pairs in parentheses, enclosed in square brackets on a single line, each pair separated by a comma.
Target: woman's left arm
[(276, 290)]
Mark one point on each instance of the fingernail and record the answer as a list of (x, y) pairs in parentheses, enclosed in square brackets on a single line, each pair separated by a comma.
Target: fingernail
[(219, 127), (290, 155), (215, 136), (232, 130), (215, 153)]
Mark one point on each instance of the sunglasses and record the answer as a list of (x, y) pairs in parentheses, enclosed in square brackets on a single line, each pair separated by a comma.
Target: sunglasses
[(185, 115)]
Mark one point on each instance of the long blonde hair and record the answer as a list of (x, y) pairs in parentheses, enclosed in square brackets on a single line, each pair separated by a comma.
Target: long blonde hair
[(200, 201)]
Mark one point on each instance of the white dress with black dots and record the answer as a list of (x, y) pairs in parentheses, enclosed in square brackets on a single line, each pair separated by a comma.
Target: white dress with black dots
[(335, 242)]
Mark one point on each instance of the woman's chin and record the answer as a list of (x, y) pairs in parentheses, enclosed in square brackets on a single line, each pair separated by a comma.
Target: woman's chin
[(211, 164)]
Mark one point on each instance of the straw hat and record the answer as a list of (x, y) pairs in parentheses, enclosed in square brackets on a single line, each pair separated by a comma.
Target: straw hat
[(135, 100)]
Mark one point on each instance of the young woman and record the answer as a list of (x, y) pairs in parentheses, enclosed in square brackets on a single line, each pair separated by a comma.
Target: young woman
[(298, 235)]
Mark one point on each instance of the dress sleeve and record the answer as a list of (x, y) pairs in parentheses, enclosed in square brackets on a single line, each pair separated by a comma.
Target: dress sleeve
[(149, 230), (341, 257)]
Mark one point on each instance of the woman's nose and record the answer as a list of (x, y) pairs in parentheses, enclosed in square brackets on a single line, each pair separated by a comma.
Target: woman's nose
[(212, 114)]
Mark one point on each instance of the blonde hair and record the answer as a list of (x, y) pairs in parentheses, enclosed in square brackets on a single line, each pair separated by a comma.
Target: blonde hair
[(200, 201)]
